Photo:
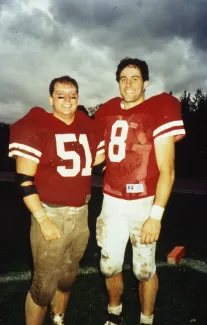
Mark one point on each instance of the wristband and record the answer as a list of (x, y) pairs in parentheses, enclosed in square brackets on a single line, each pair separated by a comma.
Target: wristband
[(40, 215), (157, 212)]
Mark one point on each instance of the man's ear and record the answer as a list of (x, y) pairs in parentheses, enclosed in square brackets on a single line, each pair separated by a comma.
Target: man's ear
[(145, 84), (50, 100)]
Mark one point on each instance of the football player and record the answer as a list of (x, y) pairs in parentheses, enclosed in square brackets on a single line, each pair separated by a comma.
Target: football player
[(139, 144), (54, 155)]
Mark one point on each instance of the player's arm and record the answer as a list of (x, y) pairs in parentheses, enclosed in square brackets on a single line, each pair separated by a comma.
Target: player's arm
[(165, 154), (99, 159), (100, 151), (25, 171)]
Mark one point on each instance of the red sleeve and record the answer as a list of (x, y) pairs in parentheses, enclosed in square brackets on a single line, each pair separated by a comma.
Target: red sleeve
[(168, 118), (24, 138)]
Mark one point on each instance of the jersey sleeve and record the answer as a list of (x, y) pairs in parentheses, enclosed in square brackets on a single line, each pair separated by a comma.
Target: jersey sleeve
[(168, 118), (24, 138)]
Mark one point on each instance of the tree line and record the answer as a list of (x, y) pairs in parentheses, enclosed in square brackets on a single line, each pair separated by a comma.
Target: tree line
[(191, 151)]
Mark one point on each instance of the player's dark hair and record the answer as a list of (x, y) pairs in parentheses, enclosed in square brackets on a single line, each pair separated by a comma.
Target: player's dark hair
[(141, 65), (62, 80)]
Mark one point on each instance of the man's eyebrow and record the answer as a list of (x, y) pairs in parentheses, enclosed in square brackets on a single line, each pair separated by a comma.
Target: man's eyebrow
[(73, 91), (130, 76), (59, 92)]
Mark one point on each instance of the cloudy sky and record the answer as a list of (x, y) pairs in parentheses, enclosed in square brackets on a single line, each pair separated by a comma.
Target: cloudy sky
[(44, 39)]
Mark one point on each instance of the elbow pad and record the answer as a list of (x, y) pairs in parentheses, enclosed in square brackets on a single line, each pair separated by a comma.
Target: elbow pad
[(28, 189)]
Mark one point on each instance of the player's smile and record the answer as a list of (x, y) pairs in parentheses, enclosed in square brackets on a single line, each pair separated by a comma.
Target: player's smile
[(66, 107), (129, 94), (66, 110)]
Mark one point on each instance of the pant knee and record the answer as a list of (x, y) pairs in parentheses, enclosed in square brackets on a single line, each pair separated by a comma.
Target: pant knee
[(42, 297), (67, 277), (43, 288), (144, 272), (109, 268)]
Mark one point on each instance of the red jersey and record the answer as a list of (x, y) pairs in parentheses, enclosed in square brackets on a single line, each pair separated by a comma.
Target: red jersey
[(131, 168), (64, 153)]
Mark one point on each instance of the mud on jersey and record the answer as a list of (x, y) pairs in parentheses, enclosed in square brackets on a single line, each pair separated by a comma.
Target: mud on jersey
[(131, 168), (64, 154)]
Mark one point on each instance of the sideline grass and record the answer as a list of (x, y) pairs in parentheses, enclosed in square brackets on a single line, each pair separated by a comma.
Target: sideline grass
[(180, 288)]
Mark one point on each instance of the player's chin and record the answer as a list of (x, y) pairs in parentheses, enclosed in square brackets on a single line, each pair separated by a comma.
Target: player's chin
[(128, 96), (68, 112), (129, 99)]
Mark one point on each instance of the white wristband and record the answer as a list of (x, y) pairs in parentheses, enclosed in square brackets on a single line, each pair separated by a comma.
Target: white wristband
[(157, 212), (40, 215)]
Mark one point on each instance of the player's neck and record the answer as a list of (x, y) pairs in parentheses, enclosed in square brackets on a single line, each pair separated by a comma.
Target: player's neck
[(128, 105), (67, 119)]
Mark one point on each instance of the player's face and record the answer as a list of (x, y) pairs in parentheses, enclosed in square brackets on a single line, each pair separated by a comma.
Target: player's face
[(64, 101), (132, 86)]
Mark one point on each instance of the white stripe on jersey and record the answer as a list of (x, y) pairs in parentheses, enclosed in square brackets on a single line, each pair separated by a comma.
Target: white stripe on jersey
[(170, 133), (19, 153), (26, 148), (167, 126)]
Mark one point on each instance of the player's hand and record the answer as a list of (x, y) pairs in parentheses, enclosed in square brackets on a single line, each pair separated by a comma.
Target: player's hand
[(49, 230), (150, 231), (100, 230)]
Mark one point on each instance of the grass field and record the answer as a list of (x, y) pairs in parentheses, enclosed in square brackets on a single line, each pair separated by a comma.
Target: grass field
[(182, 294)]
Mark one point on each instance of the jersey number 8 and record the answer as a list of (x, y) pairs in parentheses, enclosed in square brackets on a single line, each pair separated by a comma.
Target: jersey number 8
[(118, 141)]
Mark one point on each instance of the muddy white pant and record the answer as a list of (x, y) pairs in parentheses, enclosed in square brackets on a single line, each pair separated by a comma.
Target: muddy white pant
[(120, 220)]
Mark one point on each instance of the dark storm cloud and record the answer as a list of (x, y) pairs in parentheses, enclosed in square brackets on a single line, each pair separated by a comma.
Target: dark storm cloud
[(84, 14), (35, 25), (87, 39), (6, 3), (133, 20), (184, 19), (144, 29)]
